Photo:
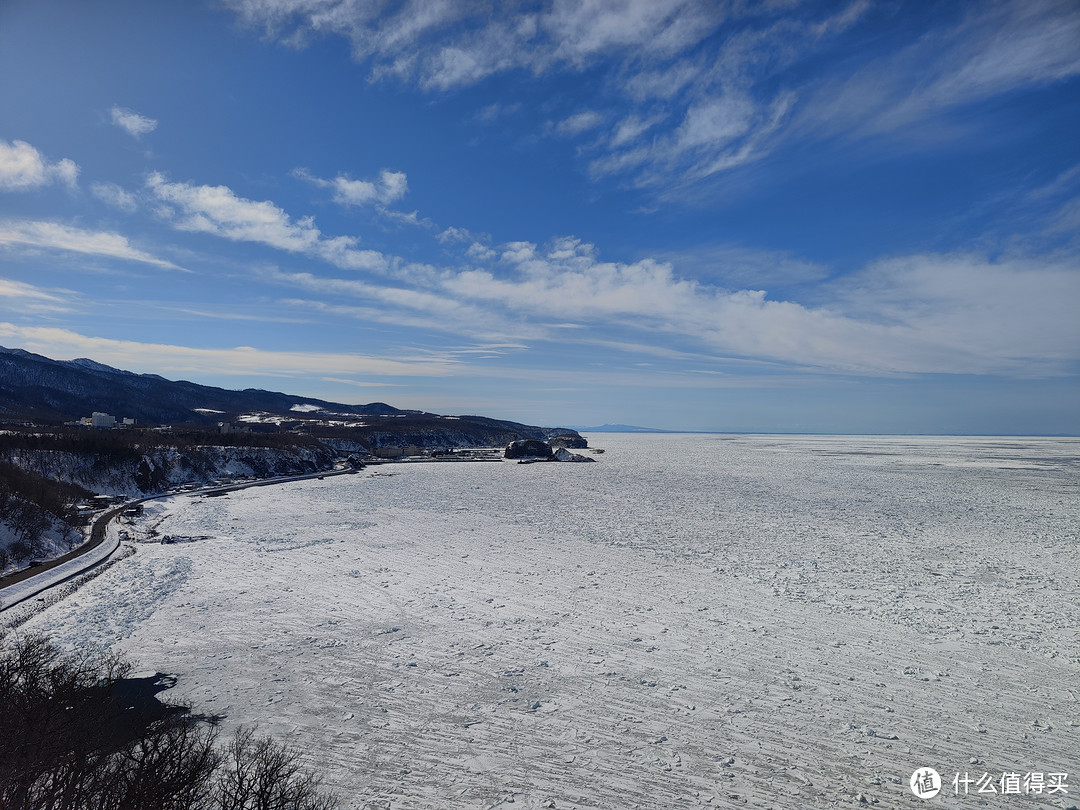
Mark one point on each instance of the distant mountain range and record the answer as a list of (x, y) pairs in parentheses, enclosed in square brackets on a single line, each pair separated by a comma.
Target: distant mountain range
[(622, 429), (37, 389)]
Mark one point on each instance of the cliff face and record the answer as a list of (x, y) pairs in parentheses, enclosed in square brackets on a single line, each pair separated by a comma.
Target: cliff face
[(160, 469)]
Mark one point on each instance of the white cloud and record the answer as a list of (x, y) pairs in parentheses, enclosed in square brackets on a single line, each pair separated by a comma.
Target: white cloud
[(131, 122), (942, 314), (917, 314), (219, 211), (480, 252), (387, 188), (582, 30), (454, 234), (54, 236), (1014, 313), (935, 314), (22, 167), (114, 195)]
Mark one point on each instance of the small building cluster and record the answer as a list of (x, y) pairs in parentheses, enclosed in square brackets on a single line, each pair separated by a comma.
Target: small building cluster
[(104, 421)]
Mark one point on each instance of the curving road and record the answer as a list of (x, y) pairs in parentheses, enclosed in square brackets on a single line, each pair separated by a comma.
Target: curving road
[(21, 585)]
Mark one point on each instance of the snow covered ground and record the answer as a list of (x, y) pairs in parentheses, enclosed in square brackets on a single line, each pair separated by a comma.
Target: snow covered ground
[(696, 621)]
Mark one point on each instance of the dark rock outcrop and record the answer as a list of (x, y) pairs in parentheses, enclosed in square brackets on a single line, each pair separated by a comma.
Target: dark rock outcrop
[(571, 441), (528, 448)]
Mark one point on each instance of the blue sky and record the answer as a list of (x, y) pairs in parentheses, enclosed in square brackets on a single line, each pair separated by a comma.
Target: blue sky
[(853, 216)]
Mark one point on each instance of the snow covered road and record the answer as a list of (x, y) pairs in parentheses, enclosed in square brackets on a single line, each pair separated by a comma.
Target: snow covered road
[(15, 594)]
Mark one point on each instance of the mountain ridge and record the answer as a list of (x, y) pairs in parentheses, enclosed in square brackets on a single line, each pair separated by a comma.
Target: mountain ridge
[(36, 388)]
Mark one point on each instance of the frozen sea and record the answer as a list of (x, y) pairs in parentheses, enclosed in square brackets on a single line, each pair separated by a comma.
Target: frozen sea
[(693, 621)]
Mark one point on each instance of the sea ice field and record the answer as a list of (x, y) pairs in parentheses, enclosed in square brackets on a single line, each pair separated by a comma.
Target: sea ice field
[(693, 621)]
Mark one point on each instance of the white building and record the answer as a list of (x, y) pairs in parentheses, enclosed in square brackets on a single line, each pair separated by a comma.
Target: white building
[(102, 420)]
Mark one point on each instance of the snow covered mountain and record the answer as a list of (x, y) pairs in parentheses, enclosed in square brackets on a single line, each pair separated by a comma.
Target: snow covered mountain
[(38, 388)]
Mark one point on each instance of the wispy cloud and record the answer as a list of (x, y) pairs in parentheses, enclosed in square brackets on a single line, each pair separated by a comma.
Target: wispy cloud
[(159, 357), (22, 168), (919, 314), (579, 122), (428, 306), (114, 195), (231, 315), (713, 86), (56, 236), (131, 122), (27, 297), (996, 49), (444, 45), (491, 113), (362, 383), (740, 267)]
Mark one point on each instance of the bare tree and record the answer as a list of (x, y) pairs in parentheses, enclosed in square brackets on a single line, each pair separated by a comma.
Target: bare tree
[(260, 774)]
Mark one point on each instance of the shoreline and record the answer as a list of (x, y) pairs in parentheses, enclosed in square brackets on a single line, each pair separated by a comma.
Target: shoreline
[(100, 525)]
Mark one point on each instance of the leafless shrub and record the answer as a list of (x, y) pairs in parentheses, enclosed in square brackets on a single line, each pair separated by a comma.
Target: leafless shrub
[(71, 740)]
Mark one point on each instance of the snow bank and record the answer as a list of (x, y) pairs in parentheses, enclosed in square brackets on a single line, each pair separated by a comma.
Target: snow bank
[(19, 592)]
